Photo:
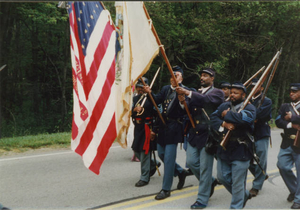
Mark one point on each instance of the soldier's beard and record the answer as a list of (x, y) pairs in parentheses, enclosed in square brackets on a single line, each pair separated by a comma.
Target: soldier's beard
[(235, 102)]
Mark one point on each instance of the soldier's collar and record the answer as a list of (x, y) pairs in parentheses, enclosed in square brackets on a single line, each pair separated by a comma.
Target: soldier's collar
[(203, 89), (172, 87)]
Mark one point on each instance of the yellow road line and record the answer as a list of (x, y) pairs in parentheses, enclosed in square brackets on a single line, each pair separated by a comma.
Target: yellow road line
[(126, 203), (170, 199)]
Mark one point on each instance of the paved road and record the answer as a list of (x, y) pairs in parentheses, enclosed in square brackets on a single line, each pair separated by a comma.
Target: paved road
[(58, 180)]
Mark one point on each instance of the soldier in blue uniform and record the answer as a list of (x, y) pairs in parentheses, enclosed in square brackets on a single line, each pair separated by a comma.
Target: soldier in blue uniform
[(143, 144), (171, 134), (201, 104), (289, 155), (233, 163), (262, 133), (225, 87)]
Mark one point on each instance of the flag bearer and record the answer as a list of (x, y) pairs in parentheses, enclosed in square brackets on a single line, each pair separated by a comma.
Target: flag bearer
[(171, 134)]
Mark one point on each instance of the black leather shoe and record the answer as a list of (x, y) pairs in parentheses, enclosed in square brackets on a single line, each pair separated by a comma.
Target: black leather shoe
[(162, 195), (141, 183), (189, 172), (295, 206), (291, 197), (198, 205), (253, 192), (249, 197), (152, 172), (181, 177), (267, 177), (213, 185)]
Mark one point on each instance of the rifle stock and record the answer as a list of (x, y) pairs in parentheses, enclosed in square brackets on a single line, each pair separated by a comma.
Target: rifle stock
[(225, 140), (261, 80)]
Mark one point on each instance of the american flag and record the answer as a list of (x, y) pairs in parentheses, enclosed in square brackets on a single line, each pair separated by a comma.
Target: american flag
[(93, 43)]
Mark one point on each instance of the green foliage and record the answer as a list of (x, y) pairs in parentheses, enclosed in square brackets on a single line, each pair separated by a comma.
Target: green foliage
[(237, 37), (35, 142)]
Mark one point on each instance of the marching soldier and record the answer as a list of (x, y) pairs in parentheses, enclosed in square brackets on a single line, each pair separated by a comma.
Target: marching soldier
[(142, 117), (233, 163), (171, 134), (289, 155), (225, 87), (261, 135), (201, 103)]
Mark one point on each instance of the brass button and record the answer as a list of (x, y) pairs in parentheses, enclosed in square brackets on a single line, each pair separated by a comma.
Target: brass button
[(197, 122), (196, 132), (165, 112), (292, 136), (195, 109)]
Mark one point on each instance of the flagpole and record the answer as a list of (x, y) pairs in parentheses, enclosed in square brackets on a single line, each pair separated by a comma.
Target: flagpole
[(162, 50)]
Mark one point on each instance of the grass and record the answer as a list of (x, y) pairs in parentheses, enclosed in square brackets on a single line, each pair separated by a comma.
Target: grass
[(24, 143)]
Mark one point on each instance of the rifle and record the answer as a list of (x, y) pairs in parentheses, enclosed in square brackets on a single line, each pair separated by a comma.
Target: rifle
[(263, 95), (256, 87), (248, 82), (162, 50), (152, 82), (153, 102), (156, 166), (297, 138)]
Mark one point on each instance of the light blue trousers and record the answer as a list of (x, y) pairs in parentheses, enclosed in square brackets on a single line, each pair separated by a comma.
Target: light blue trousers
[(168, 155), (147, 164), (233, 176), (201, 164), (261, 147), (287, 158)]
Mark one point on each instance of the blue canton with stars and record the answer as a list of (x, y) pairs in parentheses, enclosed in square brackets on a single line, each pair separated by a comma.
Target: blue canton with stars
[(87, 14)]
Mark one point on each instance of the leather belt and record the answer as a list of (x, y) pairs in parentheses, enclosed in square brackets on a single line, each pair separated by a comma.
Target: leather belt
[(142, 121), (179, 120)]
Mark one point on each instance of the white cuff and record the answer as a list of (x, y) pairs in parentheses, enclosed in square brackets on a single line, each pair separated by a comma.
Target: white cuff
[(289, 125), (181, 105), (221, 129), (190, 94)]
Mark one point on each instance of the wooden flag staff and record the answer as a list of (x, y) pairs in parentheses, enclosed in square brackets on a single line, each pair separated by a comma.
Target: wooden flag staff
[(162, 50)]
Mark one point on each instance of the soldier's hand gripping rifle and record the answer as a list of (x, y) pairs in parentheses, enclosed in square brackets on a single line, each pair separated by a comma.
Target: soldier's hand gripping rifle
[(256, 87), (297, 138)]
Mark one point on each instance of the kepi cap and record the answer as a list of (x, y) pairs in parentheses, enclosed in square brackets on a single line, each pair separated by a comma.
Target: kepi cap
[(209, 71), (239, 85)]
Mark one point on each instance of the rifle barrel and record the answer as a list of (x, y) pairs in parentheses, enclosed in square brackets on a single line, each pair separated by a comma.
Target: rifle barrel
[(258, 85)]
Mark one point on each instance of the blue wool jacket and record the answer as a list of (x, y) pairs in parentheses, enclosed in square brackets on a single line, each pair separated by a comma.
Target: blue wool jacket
[(208, 101), (263, 115), (244, 123)]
